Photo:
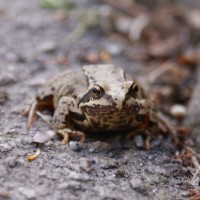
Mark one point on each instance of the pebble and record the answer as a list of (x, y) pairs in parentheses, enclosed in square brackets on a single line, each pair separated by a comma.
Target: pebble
[(73, 185), (13, 131), (136, 183), (79, 177), (47, 47), (43, 137), (114, 49), (7, 79), (18, 109), (4, 195), (3, 96), (75, 146), (156, 170), (25, 140), (28, 193), (137, 25), (5, 147), (85, 164), (108, 163), (11, 161), (139, 141), (178, 111), (99, 146), (174, 182), (152, 179), (120, 173), (123, 24), (43, 173)]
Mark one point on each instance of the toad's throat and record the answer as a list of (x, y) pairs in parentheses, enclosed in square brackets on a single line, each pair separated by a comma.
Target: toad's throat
[(99, 109)]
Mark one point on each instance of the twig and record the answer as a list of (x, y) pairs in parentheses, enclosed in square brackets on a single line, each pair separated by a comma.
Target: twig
[(44, 118), (155, 74), (192, 151), (135, 10), (195, 177)]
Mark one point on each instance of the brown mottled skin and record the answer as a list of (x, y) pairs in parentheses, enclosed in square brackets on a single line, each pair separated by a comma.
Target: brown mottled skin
[(95, 98)]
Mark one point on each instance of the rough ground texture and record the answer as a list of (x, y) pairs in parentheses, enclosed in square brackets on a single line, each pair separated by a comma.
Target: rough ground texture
[(32, 46)]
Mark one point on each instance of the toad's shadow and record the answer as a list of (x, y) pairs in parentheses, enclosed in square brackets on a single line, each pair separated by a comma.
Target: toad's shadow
[(117, 144)]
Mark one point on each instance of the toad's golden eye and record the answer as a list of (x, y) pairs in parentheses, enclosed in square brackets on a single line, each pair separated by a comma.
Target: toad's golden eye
[(134, 90), (96, 91)]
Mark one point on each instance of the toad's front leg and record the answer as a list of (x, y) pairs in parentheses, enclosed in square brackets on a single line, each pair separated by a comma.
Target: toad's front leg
[(61, 120)]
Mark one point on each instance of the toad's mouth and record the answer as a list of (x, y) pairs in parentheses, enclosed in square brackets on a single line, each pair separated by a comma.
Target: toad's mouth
[(134, 108)]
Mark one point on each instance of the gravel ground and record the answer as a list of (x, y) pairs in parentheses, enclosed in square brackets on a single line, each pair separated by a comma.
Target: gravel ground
[(32, 46)]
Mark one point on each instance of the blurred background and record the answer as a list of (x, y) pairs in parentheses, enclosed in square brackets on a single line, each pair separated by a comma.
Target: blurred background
[(154, 40)]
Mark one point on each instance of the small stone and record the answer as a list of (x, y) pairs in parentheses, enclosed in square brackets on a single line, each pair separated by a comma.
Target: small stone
[(25, 141), (4, 147), (50, 143), (85, 164), (136, 183), (91, 57), (11, 161), (7, 79), (123, 24), (28, 193), (3, 96), (13, 131), (178, 111), (174, 182), (108, 163), (185, 193), (47, 47), (120, 173), (73, 185), (18, 109), (99, 146), (4, 195), (79, 177), (21, 59), (43, 137), (114, 49), (43, 173), (125, 161), (139, 141), (53, 176), (156, 170), (137, 25), (193, 18), (156, 142), (152, 179), (166, 91), (75, 146)]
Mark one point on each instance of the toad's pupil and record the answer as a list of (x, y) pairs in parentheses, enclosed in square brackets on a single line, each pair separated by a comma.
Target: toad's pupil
[(95, 90), (135, 88)]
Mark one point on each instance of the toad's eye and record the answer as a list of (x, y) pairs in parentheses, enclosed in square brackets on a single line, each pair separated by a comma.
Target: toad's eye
[(96, 91), (134, 90)]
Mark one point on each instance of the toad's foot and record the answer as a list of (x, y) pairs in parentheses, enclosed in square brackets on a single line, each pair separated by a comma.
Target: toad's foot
[(67, 133), (148, 137)]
